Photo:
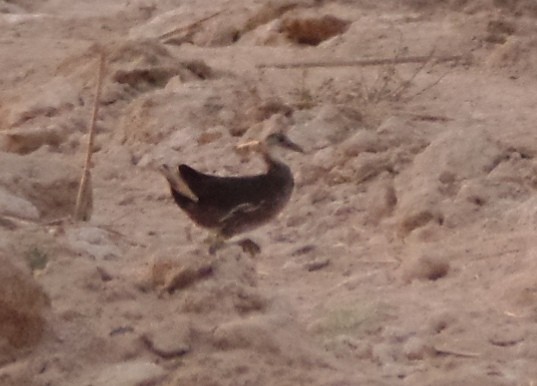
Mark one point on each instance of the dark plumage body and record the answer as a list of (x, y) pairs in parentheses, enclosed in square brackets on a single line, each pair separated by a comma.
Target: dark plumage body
[(232, 205)]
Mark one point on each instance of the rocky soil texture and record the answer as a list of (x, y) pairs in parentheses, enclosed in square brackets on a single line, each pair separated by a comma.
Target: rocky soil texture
[(407, 255)]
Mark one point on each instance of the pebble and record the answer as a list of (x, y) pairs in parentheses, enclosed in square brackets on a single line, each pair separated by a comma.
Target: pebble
[(133, 373), (16, 206), (169, 339)]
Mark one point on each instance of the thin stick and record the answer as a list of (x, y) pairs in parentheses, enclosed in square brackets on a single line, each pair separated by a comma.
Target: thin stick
[(365, 62), (174, 31), (406, 84), (428, 87), (84, 199), (388, 74), (457, 353)]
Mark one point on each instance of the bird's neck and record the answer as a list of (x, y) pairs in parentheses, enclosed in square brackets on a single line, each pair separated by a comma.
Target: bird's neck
[(269, 155), (272, 160)]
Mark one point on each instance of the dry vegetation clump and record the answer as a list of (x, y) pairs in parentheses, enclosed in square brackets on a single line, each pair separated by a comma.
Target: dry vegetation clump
[(499, 30), (427, 266), (372, 93), (313, 30), (268, 12), (49, 185), (516, 56), (517, 7), (26, 140), (513, 7), (23, 305), (134, 67), (225, 103)]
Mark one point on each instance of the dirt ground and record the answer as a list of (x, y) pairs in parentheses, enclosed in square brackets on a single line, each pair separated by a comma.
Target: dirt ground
[(407, 255)]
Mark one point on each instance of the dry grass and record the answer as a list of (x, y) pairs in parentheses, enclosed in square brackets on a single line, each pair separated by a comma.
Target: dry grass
[(84, 199), (36, 258), (372, 91)]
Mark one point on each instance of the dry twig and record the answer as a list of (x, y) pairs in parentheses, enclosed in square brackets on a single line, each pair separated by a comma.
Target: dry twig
[(366, 62), (406, 84), (165, 37), (428, 87), (84, 199), (458, 353)]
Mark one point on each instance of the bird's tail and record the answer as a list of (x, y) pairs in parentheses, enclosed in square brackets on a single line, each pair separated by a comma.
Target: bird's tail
[(178, 185)]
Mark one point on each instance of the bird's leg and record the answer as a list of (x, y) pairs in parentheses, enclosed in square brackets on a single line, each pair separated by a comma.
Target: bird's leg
[(249, 246), (215, 241)]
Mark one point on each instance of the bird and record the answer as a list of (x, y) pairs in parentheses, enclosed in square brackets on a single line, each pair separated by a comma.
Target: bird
[(228, 206)]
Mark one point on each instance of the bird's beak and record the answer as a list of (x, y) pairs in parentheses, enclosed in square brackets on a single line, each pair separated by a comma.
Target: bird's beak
[(247, 147), (292, 146)]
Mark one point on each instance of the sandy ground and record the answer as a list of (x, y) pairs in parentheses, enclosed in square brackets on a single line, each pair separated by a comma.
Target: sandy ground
[(407, 255)]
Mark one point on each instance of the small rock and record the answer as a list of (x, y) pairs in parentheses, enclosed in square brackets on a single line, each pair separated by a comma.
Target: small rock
[(384, 353), (345, 346), (268, 108), (527, 349), (416, 349), (326, 158), (330, 125), (313, 30), (172, 273), (501, 26), (93, 241), (23, 305), (303, 250), (395, 370), (169, 339), (104, 274), (367, 165), (15, 374), (133, 373), (381, 199), (425, 267), (47, 100), (507, 336), (7, 224), (362, 141), (209, 136), (7, 7), (26, 140), (248, 333), (48, 180), (16, 206), (321, 194), (181, 277), (121, 330), (397, 334), (317, 264), (440, 321)]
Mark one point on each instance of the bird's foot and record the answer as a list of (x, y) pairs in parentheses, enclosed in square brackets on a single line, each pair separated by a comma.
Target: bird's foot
[(214, 247), (249, 246), (215, 243)]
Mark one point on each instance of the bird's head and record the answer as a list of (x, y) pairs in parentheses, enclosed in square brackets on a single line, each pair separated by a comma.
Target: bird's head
[(281, 140), (274, 140)]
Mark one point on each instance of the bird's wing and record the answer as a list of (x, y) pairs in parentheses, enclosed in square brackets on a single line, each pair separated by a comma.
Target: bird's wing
[(198, 182), (246, 207), (177, 183), (225, 192)]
